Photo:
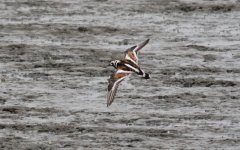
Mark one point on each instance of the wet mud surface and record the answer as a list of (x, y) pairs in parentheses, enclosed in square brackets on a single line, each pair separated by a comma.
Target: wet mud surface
[(54, 58)]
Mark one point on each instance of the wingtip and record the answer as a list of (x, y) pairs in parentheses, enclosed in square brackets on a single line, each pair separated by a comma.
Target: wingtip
[(146, 42), (141, 45)]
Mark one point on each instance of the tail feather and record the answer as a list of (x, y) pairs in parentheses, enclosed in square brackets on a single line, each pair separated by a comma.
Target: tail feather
[(143, 74), (146, 76)]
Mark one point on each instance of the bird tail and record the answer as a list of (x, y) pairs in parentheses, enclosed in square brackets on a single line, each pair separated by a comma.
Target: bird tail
[(146, 76), (143, 74)]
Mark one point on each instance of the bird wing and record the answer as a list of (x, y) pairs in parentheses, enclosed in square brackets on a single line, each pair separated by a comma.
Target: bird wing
[(141, 45), (113, 83), (131, 53)]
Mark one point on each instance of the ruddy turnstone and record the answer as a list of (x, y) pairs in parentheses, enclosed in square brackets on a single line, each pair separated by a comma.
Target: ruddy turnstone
[(125, 67)]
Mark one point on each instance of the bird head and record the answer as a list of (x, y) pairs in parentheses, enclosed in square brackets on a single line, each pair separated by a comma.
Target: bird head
[(114, 63)]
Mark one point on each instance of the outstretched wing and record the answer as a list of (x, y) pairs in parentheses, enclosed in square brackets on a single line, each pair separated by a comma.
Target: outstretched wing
[(131, 53), (141, 45), (113, 83)]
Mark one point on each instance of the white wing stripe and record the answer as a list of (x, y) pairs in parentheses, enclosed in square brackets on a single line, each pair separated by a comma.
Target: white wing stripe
[(123, 71), (113, 91), (132, 67), (129, 58)]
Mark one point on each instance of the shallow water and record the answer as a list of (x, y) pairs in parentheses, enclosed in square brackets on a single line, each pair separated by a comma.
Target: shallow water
[(54, 59)]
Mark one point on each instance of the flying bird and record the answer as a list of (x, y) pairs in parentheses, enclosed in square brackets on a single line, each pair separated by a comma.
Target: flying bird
[(125, 67)]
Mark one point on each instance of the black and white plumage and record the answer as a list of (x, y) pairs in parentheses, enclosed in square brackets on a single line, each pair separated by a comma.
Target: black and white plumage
[(125, 67)]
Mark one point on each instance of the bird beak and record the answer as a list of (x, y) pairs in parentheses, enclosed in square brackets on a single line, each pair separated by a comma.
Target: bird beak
[(109, 64)]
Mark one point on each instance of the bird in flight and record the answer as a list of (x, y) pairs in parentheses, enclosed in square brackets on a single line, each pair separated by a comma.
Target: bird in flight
[(125, 67)]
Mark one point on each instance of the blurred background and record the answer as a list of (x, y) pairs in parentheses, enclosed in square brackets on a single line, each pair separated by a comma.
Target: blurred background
[(54, 58)]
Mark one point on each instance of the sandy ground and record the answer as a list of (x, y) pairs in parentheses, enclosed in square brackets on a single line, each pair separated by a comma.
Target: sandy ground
[(54, 59)]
